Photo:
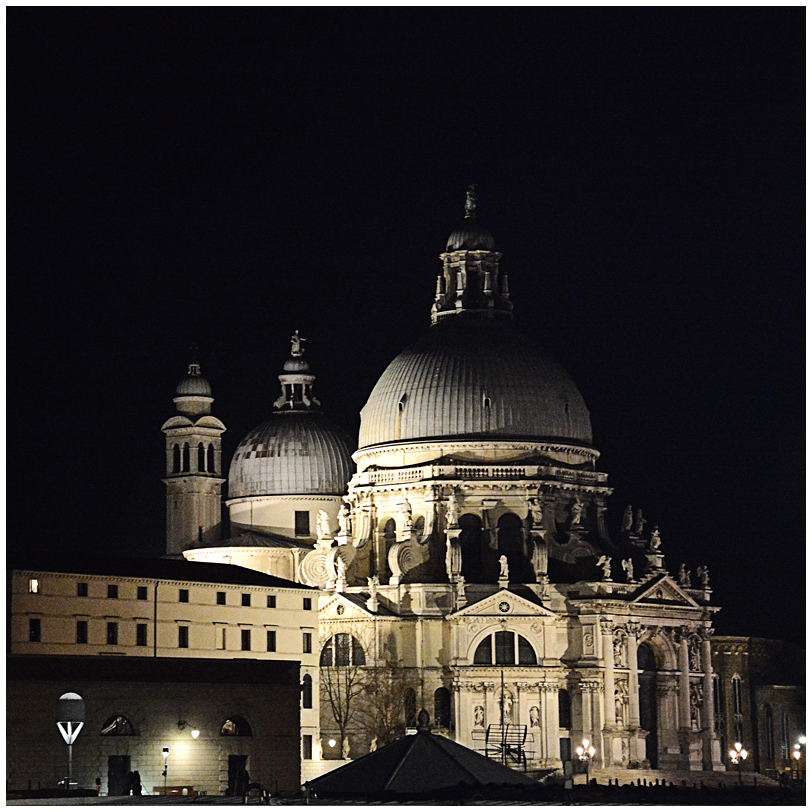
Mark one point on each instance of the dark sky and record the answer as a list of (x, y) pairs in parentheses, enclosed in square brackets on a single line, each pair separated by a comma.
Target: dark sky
[(180, 175)]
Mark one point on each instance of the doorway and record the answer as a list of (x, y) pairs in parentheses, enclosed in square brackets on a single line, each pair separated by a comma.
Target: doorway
[(237, 783), (118, 775)]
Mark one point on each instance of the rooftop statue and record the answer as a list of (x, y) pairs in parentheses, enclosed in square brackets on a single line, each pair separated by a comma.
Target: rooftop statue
[(684, 577), (627, 520), (628, 568), (503, 568), (606, 563), (296, 348), (323, 524), (704, 576), (576, 510), (639, 521), (470, 201), (655, 539)]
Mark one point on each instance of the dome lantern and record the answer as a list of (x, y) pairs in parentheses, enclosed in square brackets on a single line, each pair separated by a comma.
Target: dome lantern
[(297, 381), (193, 393)]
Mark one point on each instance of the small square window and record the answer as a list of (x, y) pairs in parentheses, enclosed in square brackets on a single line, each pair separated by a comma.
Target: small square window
[(221, 598), (307, 603), (112, 634), (81, 589), (307, 642), (141, 593), (301, 520), (34, 630), (271, 640), (81, 631), (33, 585), (245, 639), (183, 596), (183, 637), (112, 590), (272, 601), (246, 598), (140, 634)]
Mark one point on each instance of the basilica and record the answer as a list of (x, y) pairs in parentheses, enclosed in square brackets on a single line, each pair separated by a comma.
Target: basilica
[(465, 546)]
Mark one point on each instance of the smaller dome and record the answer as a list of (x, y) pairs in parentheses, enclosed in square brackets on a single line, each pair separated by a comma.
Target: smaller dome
[(470, 236), (194, 384), (296, 364)]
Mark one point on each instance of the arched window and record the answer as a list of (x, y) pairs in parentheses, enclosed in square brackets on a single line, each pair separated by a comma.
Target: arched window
[(564, 709), (307, 691), (236, 726), (176, 459), (769, 735), (201, 458), (117, 726), (342, 649), (510, 540), (442, 708), (471, 549), (505, 648), (736, 693), (410, 707), (185, 457), (210, 459)]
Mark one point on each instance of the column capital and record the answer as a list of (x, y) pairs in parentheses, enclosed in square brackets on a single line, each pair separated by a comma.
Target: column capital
[(633, 628), (607, 625), (705, 633)]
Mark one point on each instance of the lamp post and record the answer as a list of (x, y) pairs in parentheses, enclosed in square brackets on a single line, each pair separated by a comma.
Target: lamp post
[(737, 756), (799, 754), (585, 752), (165, 751), (70, 718)]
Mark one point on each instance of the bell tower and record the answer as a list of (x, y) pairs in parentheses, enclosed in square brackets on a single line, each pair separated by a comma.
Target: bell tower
[(193, 467)]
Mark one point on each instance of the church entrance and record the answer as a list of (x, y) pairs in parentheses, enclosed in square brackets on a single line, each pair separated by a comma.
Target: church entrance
[(118, 773), (647, 666)]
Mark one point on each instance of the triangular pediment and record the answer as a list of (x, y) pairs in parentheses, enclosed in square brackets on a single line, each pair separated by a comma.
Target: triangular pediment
[(343, 607), (664, 591), (502, 604)]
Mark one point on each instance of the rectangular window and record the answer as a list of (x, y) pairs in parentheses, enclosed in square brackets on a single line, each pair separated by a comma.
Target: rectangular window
[(245, 639), (307, 748), (81, 589), (271, 640), (246, 598), (307, 603), (220, 638), (221, 598), (301, 521), (140, 634), (272, 601), (112, 634), (183, 596), (141, 593), (112, 590), (307, 642), (34, 630), (33, 585), (81, 631), (183, 637)]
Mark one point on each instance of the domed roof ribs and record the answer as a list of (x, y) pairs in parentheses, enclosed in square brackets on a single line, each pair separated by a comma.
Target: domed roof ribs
[(470, 285), (297, 381)]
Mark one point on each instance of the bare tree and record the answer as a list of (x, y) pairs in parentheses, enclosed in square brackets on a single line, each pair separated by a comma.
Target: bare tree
[(341, 688), (382, 711)]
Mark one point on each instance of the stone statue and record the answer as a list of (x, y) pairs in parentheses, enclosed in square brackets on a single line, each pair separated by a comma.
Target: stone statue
[(341, 570), (373, 583), (406, 513), (694, 659), (460, 588), (576, 511), (344, 528), (639, 521), (703, 575), (617, 651), (345, 749), (470, 201), (536, 512), (503, 568), (479, 716), (628, 568), (684, 577), (323, 525), (654, 545), (452, 512), (296, 348), (373, 745), (606, 562), (534, 716), (506, 702), (619, 703), (627, 520)]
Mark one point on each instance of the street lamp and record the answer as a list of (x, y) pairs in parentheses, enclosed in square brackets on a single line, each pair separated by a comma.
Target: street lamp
[(165, 751), (737, 755), (585, 752), (70, 718)]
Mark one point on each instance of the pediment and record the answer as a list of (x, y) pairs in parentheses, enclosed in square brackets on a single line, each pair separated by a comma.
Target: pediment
[(664, 591), (343, 607), (503, 603)]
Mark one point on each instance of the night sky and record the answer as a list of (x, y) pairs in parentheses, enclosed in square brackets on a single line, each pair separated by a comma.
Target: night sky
[(223, 177)]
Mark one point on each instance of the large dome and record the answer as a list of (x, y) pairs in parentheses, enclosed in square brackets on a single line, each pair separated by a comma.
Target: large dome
[(474, 379), (292, 453)]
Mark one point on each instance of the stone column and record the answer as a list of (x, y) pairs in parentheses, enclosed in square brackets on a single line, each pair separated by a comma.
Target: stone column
[(551, 731), (609, 723), (711, 759), (632, 630), (684, 681), (586, 712)]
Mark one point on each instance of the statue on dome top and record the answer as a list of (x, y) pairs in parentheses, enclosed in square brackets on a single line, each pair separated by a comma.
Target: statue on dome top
[(471, 201), (296, 348)]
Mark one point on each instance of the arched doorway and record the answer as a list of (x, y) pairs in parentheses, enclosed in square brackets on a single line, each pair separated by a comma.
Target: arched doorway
[(510, 538), (647, 667)]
